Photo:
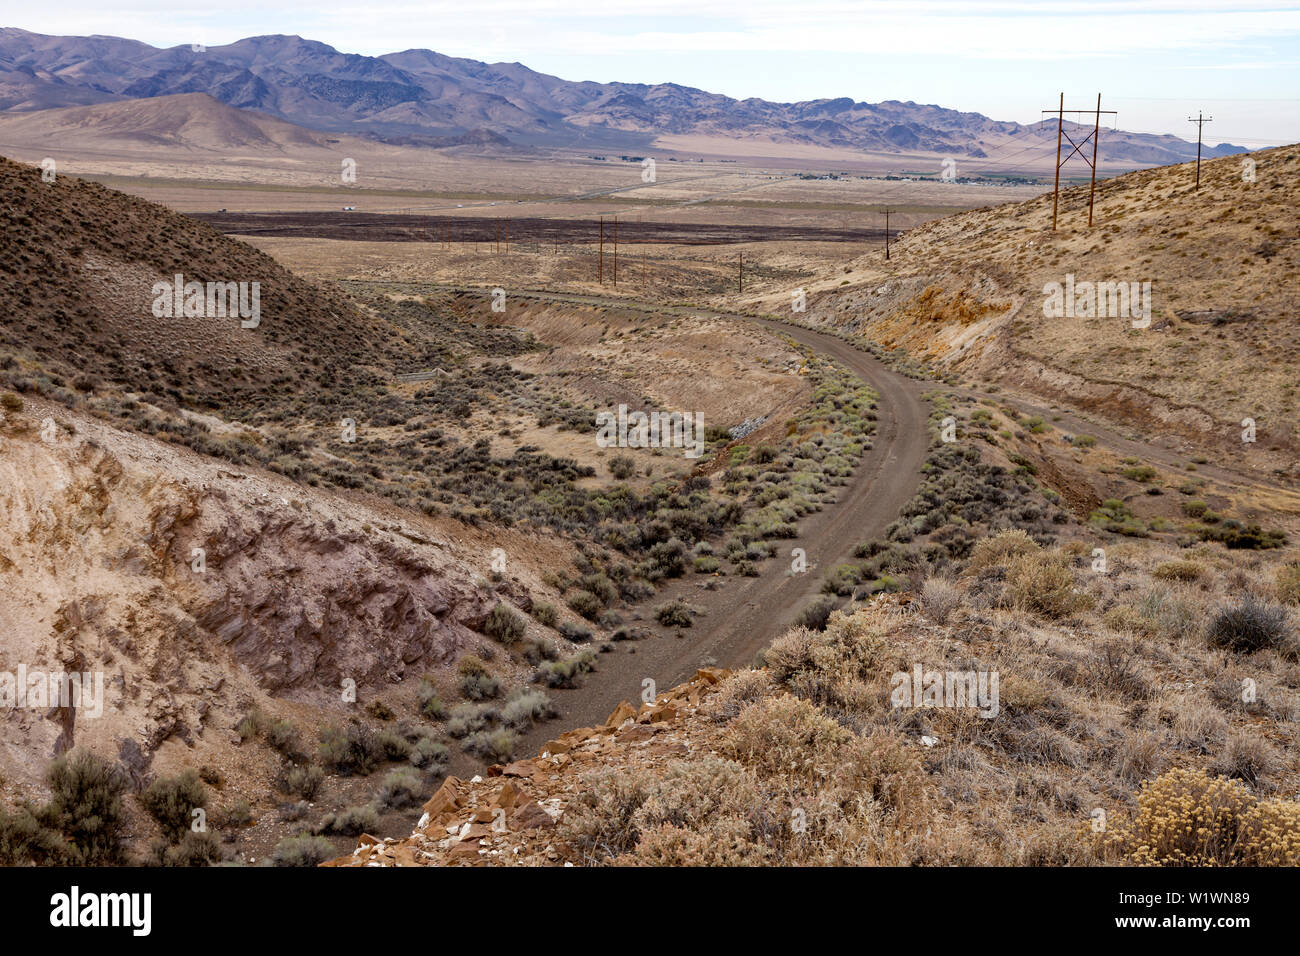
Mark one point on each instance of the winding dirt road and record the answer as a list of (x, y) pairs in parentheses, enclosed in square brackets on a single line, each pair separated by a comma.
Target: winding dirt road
[(745, 614)]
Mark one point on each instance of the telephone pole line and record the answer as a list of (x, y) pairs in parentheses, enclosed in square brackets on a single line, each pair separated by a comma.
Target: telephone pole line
[(1200, 121), (1095, 135)]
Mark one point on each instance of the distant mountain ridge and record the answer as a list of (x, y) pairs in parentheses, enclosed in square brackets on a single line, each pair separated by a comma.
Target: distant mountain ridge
[(420, 96)]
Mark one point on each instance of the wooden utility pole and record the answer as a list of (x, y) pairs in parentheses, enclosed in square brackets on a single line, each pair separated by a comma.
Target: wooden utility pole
[(616, 252), (1078, 148), (601, 273), (887, 212), (507, 235), (1200, 121), (741, 262)]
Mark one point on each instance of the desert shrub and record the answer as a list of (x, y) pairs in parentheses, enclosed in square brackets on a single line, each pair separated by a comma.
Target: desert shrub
[(10, 401), (1137, 757), (739, 689), (1269, 834), (1170, 615), (238, 814), (1179, 571), (1244, 757), (430, 755), (674, 614), (601, 586), (601, 823), (430, 704), (1288, 583), (817, 612), (998, 550), (1195, 508), (505, 624), (706, 564), (544, 613), (575, 632), (940, 598), (1139, 473), (24, 839), (302, 850), (480, 686), (380, 710), (194, 849), (1190, 818), (465, 719), (842, 579), (86, 807), (787, 737), (1234, 535), (1043, 584), (667, 559), (282, 735), (566, 673), (352, 749), (170, 800), (622, 467), (526, 706), (586, 604), (252, 724), (497, 745), (1250, 626), (400, 788), (304, 781), (351, 821)]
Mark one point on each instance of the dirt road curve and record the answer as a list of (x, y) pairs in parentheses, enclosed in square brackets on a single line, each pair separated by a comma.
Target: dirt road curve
[(743, 616)]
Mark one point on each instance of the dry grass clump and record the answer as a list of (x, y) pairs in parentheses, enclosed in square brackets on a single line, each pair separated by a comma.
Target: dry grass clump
[(738, 690), (1188, 571), (940, 597), (1250, 626), (1190, 818), (839, 666), (998, 550), (1288, 583), (1043, 583)]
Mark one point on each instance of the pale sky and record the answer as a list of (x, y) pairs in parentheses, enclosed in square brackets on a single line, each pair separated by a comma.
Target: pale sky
[(1155, 61)]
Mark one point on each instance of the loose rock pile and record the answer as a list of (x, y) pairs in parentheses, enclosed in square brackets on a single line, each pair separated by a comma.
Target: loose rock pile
[(509, 817)]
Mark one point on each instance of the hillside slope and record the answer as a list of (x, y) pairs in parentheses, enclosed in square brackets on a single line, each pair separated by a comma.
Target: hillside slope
[(79, 264), (969, 292), (187, 121)]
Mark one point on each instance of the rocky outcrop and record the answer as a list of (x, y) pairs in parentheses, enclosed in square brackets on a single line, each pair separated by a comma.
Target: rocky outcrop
[(509, 817)]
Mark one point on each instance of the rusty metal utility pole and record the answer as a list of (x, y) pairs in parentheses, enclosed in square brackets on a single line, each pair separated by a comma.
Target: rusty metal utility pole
[(1200, 121), (1078, 148)]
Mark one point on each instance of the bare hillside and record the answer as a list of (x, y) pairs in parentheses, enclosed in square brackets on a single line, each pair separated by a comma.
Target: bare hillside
[(972, 292)]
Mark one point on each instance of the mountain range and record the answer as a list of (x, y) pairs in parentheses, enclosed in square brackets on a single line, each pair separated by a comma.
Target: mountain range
[(421, 97)]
